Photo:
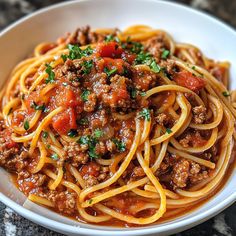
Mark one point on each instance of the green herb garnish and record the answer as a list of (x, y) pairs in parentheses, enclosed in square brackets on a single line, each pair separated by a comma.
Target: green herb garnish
[(91, 142), (51, 74), (155, 67), (109, 38), (75, 52), (72, 133), (83, 121), (38, 107), (147, 59), (54, 156), (110, 72), (87, 66), (142, 94), (168, 131), (145, 113), (165, 54), (119, 144), (26, 125), (226, 94), (90, 201), (45, 134), (85, 95), (133, 93), (64, 57), (97, 133)]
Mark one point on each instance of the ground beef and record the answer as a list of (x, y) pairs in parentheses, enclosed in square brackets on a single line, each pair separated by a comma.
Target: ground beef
[(84, 36), (155, 45), (186, 173), (65, 202), (199, 114), (180, 173), (162, 119), (118, 95), (99, 119), (93, 173), (143, 80), (75, 153), (192, 139), (90, 104), (12, 155), (137, 173)]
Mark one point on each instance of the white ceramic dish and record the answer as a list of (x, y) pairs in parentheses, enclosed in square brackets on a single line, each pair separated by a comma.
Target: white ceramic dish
[(215, 39)]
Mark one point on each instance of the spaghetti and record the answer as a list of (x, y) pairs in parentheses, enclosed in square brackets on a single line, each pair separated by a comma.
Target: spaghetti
[(118, 125)]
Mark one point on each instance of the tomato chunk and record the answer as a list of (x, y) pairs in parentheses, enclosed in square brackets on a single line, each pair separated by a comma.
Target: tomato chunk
[(65, 121), (111, 64), (110, 49), (187, 80), (92, 168), (8, 141)]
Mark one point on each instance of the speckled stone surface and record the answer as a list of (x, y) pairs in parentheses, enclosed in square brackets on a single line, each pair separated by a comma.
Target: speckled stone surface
[(11, 224)]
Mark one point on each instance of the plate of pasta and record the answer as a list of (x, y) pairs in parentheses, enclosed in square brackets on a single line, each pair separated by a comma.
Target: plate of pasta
[(117, 125)]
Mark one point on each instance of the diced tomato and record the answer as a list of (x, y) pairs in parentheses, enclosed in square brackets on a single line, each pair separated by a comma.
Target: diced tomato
[(110, 49), (128, 57), (66, 97), (8, 141), (33, 97), (111, 64), (65, 121), (92, 168), (186, 79), (18, 117)]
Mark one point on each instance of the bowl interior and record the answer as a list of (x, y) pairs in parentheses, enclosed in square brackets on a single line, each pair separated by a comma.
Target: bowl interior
[(214, 38)]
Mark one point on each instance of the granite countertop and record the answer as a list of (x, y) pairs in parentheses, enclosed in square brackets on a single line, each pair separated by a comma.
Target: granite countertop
[(12, 224)]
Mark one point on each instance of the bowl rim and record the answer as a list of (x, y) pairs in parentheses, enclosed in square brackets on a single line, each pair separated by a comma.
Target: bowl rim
[(62, 227)]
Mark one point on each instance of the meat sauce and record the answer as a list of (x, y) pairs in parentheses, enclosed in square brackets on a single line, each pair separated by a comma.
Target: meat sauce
[(92, 90)]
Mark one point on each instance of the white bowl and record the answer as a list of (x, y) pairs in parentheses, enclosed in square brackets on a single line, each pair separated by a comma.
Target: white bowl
[(186, 25)]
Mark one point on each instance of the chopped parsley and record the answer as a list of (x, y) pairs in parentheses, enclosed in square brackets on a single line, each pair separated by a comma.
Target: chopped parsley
[(91, 142), (134, 47), (45, 134), (85, 95), (155, 67), (87, 66), (145, 113), (38, 107), (64, 57), (168, 131), (194, 67), (226, 94), (147, 59), (109, 38), (98, 133), (83, 121), (26, 125), (133, 93), (72, 133), (119, 144), (54, 156), (110, 72), (75, 52), (143, 94), (51, 74), (165, 54), (90, 201)]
